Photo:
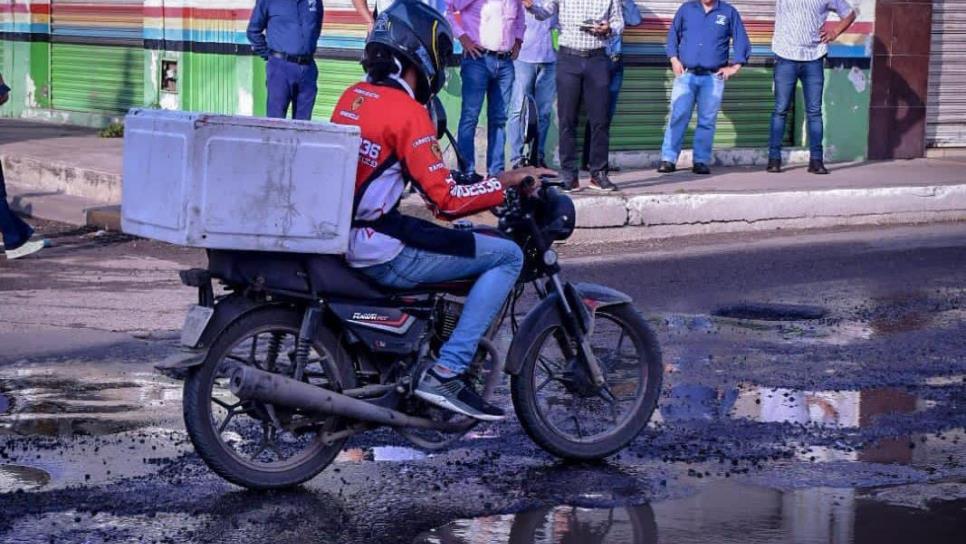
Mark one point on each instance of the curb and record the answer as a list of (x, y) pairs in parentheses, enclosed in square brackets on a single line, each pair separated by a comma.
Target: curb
[(41, 175)]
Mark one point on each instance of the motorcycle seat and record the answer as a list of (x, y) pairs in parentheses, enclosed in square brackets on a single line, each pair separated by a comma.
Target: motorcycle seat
[(326, 275)]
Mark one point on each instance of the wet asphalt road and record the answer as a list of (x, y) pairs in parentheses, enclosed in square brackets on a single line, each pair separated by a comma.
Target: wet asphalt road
[(844, 428)]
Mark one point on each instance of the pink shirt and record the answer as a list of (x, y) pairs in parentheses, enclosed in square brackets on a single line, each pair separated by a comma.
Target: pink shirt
[(491, 24)]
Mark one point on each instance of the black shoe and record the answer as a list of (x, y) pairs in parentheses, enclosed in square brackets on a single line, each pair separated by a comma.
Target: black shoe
[(666, 167), (452, 393), (518, 164), (701, 168), (817, 167), (774, 166), (600, 182), (612, 168), (570, 182)]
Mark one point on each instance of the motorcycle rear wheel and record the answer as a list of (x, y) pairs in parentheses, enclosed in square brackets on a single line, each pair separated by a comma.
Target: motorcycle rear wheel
[(226, 442), (552, 392)]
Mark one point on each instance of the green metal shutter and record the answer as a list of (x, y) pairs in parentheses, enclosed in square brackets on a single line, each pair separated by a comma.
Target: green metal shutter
[(96, 78), (334, 77), (644, 104), (97, 57), (209, 83)]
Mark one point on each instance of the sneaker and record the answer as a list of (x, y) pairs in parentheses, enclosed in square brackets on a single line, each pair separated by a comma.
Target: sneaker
[(601, 182), (452, 393), (32, 246), (666, 167), (571, 183)]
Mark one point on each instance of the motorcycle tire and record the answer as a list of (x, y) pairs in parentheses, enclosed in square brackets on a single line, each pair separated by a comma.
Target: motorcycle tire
[(525, 401), (198, 411)]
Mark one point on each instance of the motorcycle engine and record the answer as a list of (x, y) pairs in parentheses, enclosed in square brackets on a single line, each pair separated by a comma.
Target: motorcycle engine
[(447, 316)]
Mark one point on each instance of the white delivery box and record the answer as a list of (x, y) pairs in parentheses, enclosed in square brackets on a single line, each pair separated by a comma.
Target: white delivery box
[(233, 182)]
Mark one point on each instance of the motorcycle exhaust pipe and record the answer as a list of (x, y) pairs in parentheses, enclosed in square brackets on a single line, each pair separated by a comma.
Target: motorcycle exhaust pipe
[(250, 383)]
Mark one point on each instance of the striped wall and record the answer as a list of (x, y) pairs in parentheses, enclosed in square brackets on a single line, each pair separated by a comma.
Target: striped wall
[(124, 43)]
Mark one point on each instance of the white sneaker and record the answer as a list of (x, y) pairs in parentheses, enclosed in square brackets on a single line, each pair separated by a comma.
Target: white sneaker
[(32, 246)]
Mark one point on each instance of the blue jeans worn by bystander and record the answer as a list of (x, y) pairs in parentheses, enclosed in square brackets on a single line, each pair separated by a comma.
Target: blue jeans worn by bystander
[(496, 266), (787, 75), (291, 84), (488, 77), (537, 79), (689, 88), (15, 232)]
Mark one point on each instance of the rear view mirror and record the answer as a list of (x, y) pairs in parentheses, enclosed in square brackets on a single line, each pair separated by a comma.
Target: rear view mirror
[(438, 113)]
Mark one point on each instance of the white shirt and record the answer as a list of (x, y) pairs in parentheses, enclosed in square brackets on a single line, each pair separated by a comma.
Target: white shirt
[(798, 24)]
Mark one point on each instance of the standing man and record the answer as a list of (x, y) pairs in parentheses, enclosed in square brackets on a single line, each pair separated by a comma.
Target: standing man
[(491, 33), (632, 17), (699, 46), (16, 233), (800, 45), (285, 33), (535, 72), (583, 74)]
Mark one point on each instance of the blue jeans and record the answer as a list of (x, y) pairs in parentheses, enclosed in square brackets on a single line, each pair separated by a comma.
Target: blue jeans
[(15, 232), (487, 77), (291, 84), (496, 266), (537, 79), (706, 90), (787, 74)]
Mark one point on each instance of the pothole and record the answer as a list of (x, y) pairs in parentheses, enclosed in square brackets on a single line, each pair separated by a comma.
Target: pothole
[(771, 312), (14, 477)]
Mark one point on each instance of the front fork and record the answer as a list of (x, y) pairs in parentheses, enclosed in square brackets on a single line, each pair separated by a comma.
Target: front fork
[(579, 327)]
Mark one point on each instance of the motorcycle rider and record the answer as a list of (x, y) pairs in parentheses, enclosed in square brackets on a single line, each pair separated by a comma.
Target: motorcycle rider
[(405, 61)]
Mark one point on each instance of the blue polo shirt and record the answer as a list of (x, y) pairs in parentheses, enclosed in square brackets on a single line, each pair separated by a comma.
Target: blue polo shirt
[(703, 40), (285, 26)]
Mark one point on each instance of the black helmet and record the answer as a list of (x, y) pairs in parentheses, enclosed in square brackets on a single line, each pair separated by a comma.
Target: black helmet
[(418, 34)]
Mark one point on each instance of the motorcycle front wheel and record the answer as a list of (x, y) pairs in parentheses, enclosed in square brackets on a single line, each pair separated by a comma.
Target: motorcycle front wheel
[(253, 444), (556, 401)]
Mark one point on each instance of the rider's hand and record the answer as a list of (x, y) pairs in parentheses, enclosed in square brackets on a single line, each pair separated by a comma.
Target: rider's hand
[(513, 178)]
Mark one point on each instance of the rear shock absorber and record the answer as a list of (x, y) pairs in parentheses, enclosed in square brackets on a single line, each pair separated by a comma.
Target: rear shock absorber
[(310, 323)]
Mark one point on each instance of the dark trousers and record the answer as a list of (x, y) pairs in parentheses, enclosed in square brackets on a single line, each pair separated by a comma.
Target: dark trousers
[(15, 232), (787, 74), (584, 79), (616, 80), (291, 84)]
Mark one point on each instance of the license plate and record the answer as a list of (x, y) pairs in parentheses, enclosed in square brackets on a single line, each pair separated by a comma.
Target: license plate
[(194, 325)]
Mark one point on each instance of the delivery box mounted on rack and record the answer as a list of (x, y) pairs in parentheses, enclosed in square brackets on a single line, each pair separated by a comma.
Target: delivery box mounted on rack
[(233, 182)]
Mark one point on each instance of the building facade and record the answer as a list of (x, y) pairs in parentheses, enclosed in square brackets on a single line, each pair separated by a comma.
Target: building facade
[(88, 61)]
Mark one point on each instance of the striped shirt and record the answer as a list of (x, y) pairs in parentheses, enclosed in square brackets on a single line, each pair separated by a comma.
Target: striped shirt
[(573, 13), (797, 27)]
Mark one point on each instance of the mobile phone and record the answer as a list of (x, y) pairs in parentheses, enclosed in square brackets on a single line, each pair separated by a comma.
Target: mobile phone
[(588, 25)]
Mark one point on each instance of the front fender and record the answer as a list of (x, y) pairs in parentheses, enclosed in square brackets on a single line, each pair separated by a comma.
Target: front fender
[(547, 313)]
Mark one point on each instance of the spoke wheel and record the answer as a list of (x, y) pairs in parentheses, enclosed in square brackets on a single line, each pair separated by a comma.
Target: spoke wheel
[(254, 444), (559, 405)]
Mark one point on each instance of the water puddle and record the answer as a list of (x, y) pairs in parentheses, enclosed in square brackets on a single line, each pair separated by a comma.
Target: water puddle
[(84, 400), (720, 512), (380, 453), (840, 409), (771, 312), (14, 477)]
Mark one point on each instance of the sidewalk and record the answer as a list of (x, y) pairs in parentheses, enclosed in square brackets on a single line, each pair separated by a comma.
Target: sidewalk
[(62, 173)]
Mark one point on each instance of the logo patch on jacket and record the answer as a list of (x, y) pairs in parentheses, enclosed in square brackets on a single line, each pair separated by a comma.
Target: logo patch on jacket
[(721, 20), (437, 151), (357, 103)]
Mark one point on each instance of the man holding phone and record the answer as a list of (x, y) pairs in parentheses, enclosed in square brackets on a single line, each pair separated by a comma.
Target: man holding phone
[(583, 70), (16, 233)]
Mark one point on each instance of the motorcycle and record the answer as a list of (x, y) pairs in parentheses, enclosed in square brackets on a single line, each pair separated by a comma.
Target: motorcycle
[(300, 352)]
